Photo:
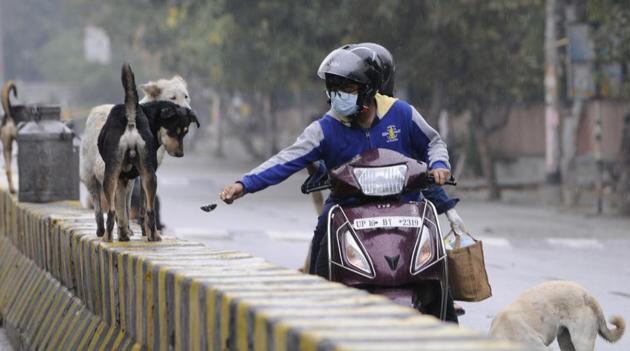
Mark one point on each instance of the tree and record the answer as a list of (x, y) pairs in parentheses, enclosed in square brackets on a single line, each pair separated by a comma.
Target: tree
[(25, 30), (481, 66), (448, 54), (611, 19)]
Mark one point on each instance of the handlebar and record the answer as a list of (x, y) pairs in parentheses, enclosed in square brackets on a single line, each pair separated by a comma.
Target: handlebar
[(450, 181)]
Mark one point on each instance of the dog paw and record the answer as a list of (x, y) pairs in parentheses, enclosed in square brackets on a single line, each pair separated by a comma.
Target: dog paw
[(123, 238), (154, 237), (100, 232), (125, 231)]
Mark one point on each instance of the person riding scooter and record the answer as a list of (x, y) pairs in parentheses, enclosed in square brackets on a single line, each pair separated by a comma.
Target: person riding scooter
[(436, 194), (360, 119)]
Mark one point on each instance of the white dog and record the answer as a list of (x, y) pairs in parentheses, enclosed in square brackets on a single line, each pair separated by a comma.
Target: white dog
[(553, 309), (92, 167)]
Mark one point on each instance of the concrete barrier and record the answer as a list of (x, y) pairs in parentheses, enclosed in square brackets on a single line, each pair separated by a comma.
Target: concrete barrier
[(62, 288)]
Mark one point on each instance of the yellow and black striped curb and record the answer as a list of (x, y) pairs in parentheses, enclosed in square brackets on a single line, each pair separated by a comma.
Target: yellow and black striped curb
[(41, 314), (181, 295)]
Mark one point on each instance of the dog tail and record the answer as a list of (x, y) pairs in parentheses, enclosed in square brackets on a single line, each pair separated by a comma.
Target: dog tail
[(615, 334), (6, 103), (604, 332), (131, 95)]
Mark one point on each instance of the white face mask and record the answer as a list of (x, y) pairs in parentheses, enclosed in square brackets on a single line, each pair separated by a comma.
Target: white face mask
[(343, 103)]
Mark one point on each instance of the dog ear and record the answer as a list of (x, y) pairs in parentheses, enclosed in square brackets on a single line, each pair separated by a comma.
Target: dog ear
[(179, 79), (151, 89), (194, 118)]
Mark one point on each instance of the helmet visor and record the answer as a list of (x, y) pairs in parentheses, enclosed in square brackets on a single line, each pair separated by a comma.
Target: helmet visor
[(344, 63)]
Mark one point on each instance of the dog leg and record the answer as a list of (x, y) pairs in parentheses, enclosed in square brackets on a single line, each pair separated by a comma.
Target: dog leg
[(142, 208), (122, 214), (149, 184), (158, 218), (7, 162), (582, 337), (564, 340), (110, 182), (94, 188), (128, 203), (583, 344)]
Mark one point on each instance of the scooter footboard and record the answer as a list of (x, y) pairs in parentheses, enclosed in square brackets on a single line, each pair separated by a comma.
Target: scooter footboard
[(428, 297), (403, 296)]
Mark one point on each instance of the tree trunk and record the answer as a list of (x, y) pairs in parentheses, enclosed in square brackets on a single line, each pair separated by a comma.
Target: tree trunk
[(437, 104), (570, 189), (271, 133), (217, 123), (486, 155), (552, 120), (246, 128), (273, 120), (623, 184)]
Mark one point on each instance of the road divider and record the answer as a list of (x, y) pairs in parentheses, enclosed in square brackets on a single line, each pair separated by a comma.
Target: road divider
[(62, 288)]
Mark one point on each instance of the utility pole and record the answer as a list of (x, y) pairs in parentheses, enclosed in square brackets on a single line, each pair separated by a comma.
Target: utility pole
[(552, 119)]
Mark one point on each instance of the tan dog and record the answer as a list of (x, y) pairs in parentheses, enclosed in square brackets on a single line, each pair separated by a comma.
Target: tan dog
[(8, 131), (553, 309), (174, 90)]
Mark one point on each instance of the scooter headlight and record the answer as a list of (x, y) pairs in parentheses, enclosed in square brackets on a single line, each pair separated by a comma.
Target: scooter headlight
[(423, 252), (354, 254), (381, 181)]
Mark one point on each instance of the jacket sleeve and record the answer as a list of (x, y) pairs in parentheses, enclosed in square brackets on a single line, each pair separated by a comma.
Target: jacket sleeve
[(306, 149), (427, 142)]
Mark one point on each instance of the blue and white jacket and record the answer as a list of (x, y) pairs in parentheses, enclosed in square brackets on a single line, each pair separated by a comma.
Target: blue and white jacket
[(332, 139)]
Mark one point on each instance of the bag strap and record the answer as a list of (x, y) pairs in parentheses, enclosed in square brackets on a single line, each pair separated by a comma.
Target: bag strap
[(458, 235)]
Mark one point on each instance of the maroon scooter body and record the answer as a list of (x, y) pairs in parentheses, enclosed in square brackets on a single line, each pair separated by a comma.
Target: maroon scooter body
[(388, 233)]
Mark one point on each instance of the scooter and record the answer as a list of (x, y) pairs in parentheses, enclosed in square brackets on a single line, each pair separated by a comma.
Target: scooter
[(381, 243)]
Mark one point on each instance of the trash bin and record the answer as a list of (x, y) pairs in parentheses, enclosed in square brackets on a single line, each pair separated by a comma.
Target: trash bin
[(47, 158), (26, 113)]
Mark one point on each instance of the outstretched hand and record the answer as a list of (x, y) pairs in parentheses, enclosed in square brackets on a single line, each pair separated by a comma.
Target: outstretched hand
[(232, 192)]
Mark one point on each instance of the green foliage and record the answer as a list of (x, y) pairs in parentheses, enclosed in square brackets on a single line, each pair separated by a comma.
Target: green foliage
[(479, 52), (26, 26), (490, 52), (611, 22), (612, 28)]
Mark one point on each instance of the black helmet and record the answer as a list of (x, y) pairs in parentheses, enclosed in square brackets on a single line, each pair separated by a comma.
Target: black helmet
[(387, 67), (358, 64)]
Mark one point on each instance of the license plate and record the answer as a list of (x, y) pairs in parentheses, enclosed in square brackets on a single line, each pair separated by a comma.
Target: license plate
[(387, 222)]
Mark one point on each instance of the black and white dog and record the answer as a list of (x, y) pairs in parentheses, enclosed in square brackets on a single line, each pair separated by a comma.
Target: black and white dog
[(128, 143)]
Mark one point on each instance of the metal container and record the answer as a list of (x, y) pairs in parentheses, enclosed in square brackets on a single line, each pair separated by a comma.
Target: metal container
[(25, 113), (47, 159)]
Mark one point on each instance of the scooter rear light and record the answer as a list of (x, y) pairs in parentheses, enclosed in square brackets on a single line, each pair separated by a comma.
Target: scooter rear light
[(423, 252), (381, 181), (354, 254)]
